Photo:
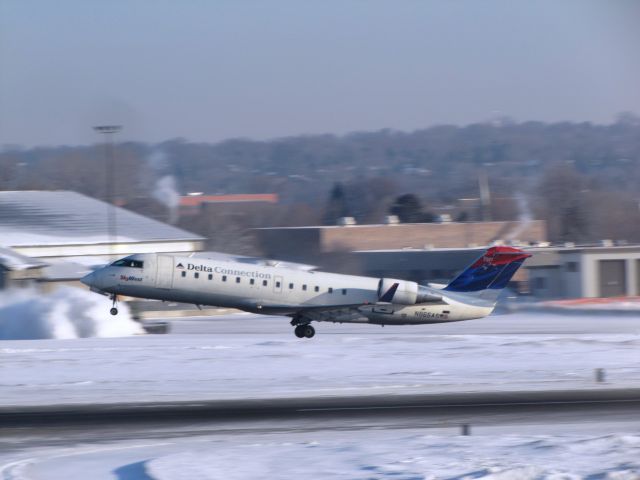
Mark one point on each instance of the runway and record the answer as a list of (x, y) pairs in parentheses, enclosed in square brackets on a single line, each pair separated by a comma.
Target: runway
[(478, 404)]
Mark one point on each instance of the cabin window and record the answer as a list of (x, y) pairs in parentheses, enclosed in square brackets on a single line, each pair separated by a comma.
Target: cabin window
[(316, 288), (277, 284), (196, 275), (344, 291), (224, 278), (264, 283), (252, 281), (184, 274), (304, 287), (291, 286), (330, 290), (210, 276), (237, 279)]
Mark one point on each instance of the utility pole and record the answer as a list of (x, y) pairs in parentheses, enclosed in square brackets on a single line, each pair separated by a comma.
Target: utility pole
[(112, 228)]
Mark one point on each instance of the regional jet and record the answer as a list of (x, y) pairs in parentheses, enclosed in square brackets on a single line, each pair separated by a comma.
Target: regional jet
[(307, 295)]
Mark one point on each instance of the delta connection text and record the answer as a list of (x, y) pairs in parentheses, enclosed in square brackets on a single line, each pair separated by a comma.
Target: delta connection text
[(225, 271)]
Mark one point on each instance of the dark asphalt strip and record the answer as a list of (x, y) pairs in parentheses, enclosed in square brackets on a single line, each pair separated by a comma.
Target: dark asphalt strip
[(422, 405)]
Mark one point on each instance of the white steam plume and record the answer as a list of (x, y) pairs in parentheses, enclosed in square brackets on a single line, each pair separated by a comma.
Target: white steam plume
[(65, 313), (525, 217), (165, 192)]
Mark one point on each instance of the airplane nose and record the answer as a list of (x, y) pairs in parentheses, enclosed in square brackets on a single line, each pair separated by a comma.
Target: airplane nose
[(89, 280)]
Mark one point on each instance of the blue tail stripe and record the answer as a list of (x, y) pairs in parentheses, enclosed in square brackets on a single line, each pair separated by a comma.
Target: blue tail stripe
[(488, 272)]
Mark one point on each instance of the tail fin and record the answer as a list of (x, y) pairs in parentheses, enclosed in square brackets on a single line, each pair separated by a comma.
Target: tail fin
[(492, 271)]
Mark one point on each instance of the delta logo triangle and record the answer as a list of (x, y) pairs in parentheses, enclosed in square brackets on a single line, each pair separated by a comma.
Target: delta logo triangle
[(180, 266)]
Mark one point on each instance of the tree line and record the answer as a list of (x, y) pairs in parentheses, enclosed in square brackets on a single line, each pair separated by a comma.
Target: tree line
[(582, 178)]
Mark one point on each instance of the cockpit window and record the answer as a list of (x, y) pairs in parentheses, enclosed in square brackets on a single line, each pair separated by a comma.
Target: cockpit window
[(127, 262)]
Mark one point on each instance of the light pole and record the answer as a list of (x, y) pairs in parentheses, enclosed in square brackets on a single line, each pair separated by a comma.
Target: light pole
[(108, 131)]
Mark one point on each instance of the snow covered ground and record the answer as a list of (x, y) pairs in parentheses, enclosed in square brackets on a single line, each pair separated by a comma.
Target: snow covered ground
[(245, 356), (494, 454), (409, 455)]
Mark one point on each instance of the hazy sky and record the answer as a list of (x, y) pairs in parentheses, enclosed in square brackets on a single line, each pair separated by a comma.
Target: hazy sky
[(210, 70)]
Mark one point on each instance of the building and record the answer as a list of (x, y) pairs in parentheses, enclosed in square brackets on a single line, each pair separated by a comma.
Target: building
[(304, 243), (196, 204), (584, 271), (63, 233), (438, 265), (17, 270)]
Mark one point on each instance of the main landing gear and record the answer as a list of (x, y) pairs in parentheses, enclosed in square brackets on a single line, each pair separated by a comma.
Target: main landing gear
[(114, 309), (303, 328), (304, 331)]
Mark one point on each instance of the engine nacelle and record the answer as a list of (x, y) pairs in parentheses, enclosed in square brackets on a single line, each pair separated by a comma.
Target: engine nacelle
[(402, 292), (397, 291)]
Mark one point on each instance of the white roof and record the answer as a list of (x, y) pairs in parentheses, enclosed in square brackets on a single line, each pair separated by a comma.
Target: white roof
[(29, 218), (14, 261)]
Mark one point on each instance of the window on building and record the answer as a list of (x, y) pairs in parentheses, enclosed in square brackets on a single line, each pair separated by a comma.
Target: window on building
[(210, 276), (264, 283), (184, 274), (539, 283), (196, 275), (571, 266)]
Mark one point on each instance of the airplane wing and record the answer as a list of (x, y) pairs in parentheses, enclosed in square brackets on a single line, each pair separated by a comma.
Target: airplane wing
[(343, 313)]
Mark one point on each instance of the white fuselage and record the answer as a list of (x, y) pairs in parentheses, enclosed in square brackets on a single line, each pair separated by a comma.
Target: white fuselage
[(272, 289)]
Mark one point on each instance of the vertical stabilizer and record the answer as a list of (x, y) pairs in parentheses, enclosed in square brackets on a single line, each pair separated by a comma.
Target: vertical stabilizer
[(490, 273)]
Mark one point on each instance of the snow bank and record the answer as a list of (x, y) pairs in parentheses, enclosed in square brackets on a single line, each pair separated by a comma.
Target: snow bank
[(376, 454), (65, 313)]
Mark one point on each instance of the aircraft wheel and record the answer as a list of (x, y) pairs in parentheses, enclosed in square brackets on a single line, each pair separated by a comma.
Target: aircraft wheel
[(308, 331), (299, 331), (113, 311)]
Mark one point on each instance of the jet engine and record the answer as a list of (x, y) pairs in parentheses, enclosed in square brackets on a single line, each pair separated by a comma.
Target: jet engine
[(404, 292)]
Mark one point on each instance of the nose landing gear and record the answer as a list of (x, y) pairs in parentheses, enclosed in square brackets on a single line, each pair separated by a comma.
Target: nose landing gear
[(114, 309)]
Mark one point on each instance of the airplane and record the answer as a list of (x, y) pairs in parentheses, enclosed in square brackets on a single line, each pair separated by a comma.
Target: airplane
[(307, 295)]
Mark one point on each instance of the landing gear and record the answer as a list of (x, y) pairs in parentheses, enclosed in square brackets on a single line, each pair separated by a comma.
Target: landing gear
[(303, 328), (304, 331), (114, 310)]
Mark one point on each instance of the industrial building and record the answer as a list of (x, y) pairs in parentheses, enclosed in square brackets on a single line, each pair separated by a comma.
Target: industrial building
[(584, 271), (553, 272), (301, 243), (56, 236)]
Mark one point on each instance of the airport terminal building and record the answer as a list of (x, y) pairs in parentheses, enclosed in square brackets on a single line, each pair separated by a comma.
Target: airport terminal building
[(56, 236)]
